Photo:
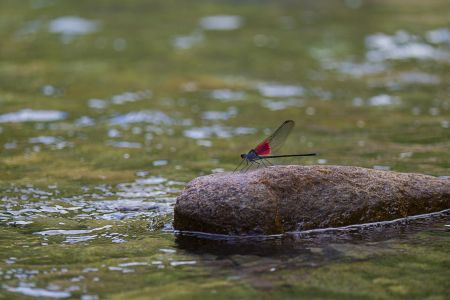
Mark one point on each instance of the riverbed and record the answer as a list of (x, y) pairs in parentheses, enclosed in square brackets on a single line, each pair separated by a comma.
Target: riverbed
[(108, 108)]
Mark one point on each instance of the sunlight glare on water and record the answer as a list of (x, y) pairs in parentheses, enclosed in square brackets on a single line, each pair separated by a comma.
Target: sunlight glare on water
[(221, 22), (217, 131), (72, 25), (30, 115)]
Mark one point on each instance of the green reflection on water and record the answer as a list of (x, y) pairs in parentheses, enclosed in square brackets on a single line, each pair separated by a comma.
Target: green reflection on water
[(384, 111)]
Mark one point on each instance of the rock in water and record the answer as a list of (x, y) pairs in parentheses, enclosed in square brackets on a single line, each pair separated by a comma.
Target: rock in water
[(278, 199)]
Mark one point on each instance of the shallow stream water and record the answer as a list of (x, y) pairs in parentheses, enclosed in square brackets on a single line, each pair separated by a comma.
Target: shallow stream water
[(108, 108)]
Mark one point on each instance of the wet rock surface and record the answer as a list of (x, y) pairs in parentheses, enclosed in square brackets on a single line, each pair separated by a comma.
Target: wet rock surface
[(279, 199)]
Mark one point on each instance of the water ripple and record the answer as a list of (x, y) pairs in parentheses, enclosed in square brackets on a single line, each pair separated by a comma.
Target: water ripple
[(221, 22), (37, 292), (30, 115)]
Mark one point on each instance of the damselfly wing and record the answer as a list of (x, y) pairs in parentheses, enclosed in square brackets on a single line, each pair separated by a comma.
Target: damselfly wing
[(274, 141)]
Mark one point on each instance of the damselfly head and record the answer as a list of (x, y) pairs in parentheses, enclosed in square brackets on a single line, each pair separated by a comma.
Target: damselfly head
[(243, 155)]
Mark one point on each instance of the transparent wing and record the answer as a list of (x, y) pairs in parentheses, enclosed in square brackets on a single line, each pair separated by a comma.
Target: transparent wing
[(274, 141)]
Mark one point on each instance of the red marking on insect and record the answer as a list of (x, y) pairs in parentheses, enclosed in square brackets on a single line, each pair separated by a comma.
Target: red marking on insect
[(263, 148)]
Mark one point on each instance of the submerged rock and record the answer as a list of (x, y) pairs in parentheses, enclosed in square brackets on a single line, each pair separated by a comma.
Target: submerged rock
[(279, 199)]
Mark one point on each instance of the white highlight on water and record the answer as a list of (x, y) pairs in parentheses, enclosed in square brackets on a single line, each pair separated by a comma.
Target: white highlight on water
[(70, 232), (72, 25), (221, 22), (30, 115)]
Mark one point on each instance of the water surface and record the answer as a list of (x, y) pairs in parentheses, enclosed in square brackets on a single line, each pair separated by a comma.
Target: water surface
[(107, 109)]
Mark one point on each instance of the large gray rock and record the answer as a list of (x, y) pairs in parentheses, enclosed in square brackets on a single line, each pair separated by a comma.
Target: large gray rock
[(291, 198)]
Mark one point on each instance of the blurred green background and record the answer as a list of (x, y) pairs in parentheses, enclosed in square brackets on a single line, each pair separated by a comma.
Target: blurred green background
[(108, 107)]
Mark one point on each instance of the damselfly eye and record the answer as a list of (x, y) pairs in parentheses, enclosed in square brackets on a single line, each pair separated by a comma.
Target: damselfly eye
[(242, 155)]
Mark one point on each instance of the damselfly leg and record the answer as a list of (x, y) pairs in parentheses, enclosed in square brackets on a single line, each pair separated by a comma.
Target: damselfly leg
[(239, 165)]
